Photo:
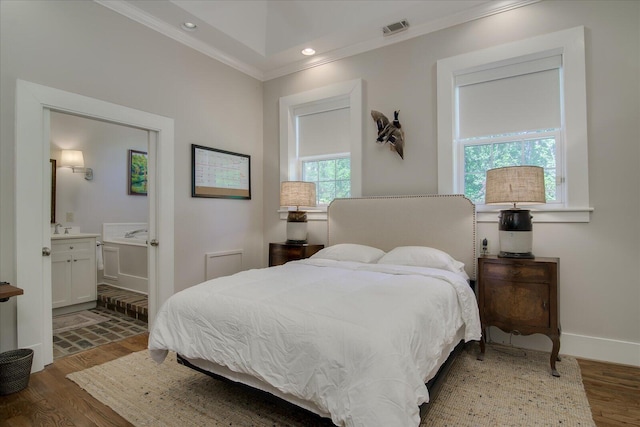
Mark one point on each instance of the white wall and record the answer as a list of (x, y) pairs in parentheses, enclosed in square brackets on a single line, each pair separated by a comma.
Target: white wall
[(105, 149), (599, 273), (85, 48)]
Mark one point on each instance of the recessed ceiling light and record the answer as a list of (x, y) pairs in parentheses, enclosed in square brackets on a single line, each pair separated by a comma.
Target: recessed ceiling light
[(308, 51), (189, 26)]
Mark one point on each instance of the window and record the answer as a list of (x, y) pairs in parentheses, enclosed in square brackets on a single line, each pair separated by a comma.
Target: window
[(323, 148), (510, 115), (332, 177), (321, 140), (519, 103), (482, 154)]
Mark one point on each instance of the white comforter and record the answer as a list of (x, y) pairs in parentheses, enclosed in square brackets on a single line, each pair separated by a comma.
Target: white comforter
[(357, 340)]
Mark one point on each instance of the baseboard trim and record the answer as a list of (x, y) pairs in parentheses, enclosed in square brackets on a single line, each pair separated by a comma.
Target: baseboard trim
[(37, 364), (604, 349), (581, 346)]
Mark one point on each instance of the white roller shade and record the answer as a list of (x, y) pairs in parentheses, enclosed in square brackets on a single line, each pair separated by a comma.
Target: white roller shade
[(508, 103), (324, 133)]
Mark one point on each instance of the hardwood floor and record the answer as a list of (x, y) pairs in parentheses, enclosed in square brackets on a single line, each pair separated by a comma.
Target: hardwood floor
[(52, 400), (613, 392)]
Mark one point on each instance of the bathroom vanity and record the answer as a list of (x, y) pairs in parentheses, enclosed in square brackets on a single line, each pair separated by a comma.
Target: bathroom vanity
[(73, 272)]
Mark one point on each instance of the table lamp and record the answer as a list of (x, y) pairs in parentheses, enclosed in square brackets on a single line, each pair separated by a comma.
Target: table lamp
[(513, 185), (297, 193)]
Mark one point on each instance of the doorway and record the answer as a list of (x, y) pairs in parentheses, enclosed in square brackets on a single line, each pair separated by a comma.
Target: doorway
[(104, 206), (33, 105)]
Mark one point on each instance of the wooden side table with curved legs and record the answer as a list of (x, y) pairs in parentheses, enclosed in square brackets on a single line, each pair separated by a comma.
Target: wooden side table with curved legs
[(520, 296)]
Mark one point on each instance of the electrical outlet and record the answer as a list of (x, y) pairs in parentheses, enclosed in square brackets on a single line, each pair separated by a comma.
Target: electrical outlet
[(69, 216)]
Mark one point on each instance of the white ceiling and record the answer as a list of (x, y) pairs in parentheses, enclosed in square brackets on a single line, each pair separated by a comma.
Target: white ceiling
[(263, 38)]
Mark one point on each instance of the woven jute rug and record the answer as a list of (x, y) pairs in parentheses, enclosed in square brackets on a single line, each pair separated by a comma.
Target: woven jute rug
[(508, 388)]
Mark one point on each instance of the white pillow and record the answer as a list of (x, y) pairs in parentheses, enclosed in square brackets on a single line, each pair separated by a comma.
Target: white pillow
[(422, 256), (350, 252)]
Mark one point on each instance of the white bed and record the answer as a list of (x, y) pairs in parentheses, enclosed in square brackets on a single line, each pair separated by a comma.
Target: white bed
[(350, 334)]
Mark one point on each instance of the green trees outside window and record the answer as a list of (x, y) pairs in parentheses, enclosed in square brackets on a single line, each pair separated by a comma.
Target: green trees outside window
[(480, 156), (332, 178)]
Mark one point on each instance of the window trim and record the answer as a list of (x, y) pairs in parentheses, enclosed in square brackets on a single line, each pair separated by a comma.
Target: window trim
[(570, 44), (350, 90)]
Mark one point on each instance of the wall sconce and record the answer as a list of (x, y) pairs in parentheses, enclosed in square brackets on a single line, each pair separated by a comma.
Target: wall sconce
[(75, 160)]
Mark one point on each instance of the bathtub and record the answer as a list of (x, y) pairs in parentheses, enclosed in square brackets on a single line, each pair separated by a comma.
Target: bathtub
[(125, 258), (137, 240)]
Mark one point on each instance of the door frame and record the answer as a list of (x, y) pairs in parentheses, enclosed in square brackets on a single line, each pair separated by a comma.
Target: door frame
[(32, 222)]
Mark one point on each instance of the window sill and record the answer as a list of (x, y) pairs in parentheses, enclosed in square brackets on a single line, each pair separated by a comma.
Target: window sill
[(484, 214), (318, 214)]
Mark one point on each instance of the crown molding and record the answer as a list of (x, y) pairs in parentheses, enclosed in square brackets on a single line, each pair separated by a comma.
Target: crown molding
[(142, 17), (482, 11), (487, 9)]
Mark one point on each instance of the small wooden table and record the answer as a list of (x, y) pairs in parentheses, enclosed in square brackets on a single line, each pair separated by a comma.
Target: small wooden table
[(280, 253), (520, 296), (7, 291)]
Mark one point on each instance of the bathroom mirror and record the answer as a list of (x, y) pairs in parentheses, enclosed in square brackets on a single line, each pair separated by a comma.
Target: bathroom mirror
[(52, 164)]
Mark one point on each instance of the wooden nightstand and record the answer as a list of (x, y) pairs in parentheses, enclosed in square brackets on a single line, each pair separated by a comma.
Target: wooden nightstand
[(520, 296), (280, 253)]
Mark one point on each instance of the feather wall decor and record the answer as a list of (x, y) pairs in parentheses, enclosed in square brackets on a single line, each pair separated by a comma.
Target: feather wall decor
[(390, 132)]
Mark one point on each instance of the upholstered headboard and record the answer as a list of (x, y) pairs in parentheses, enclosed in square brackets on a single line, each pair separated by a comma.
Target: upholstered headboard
[(446, 222)]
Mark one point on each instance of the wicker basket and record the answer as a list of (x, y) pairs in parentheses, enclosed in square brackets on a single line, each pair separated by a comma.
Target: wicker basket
[(15, 368)]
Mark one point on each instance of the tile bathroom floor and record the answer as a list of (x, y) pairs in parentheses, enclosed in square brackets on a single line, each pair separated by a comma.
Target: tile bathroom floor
[(119, 326)]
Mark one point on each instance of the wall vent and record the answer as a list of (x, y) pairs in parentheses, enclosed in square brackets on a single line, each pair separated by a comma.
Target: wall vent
[(396, 27), (226, 263)]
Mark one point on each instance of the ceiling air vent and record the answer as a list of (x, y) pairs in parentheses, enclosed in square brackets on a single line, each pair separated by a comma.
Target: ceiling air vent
[(396, 27)]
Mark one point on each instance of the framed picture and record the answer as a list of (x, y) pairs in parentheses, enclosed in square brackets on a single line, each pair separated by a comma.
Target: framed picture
[(219, 173), (137, 173)]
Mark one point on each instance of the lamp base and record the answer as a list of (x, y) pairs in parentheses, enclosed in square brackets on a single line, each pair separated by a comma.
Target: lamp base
[(297, 227), (515, 234)]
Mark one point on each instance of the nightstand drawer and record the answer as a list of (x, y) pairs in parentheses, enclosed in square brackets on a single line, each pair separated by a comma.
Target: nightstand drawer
[(281, 256), (536, 273), (281, 253)]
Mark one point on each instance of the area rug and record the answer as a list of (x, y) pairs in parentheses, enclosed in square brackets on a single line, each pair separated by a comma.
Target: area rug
[(510, 387), (80, 319), (505, 389)]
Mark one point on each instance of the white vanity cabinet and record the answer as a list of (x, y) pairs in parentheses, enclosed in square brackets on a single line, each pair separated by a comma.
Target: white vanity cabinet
[(73, 270)]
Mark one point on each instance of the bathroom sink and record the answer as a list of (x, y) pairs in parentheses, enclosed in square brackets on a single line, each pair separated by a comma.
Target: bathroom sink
[(73, 236)]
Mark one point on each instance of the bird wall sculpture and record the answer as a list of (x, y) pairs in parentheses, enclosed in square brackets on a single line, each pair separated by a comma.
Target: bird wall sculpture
[(390, 132)]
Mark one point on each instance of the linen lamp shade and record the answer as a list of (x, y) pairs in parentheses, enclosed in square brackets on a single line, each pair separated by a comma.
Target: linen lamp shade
[(75, 160), (72, 158), (297, 193), (515, 184)]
